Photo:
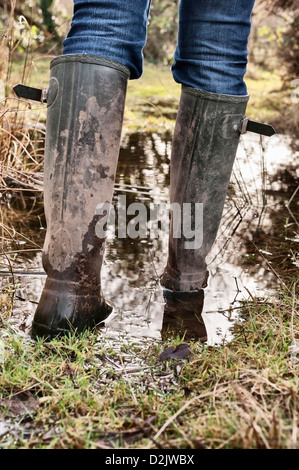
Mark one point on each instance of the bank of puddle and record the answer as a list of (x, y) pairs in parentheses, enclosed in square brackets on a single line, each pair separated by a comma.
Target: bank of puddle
[(132, 268)]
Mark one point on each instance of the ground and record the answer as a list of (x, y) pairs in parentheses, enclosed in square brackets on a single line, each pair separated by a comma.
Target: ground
[(87, 393)]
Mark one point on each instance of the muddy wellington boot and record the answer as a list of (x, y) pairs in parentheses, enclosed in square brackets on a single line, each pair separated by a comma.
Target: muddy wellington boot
[(205, 143), (85, 99), (204, 147)]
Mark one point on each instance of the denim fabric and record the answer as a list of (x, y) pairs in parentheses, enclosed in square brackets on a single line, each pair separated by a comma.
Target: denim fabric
[(115, 29), (211, 52)]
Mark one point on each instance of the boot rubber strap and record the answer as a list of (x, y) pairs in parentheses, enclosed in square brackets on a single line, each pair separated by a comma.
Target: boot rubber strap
[(246, 125)]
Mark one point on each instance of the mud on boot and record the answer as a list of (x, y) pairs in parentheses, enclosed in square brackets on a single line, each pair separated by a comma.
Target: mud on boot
[(85, 100)]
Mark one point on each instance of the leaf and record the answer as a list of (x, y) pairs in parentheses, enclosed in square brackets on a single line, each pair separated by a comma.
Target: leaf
[(20, 404), (179, 352), (44, 399)]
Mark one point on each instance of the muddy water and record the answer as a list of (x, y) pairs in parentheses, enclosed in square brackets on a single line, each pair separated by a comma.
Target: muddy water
[(262, 188)]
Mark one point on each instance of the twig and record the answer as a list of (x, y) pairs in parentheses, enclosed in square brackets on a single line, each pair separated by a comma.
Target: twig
[(13, 280), (183, 408), (288, 205), (273, 270), (129, 382)]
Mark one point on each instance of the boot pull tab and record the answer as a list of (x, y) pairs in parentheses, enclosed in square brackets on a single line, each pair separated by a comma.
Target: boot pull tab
[(30, 93), (246, 125)]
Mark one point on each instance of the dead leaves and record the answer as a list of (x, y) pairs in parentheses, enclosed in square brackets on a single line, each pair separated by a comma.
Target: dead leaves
[(21, 404), (19, 410)]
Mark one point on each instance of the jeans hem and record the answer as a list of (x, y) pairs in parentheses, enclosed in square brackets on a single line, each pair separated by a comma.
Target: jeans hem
[(208, 95), (91, 59)]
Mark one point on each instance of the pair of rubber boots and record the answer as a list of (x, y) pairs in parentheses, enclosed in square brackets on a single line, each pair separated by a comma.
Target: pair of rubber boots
[(86, 99)]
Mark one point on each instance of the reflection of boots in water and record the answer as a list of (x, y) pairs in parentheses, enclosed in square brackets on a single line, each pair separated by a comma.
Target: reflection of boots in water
[(204, 147), (86, 100), (182, 315)]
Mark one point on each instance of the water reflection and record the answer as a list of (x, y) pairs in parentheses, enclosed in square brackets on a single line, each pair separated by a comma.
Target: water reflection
[(132, 269)]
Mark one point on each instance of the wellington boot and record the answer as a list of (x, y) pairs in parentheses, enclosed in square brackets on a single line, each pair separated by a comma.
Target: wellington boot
[(204, 147), (85, 99)]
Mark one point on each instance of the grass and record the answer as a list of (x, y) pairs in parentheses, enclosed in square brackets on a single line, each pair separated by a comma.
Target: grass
[(86, 393)]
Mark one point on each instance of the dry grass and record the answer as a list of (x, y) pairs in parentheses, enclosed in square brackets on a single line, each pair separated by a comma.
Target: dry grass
[(89, 392)]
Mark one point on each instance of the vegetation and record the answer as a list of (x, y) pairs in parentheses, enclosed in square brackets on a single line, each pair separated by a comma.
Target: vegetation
[(84, 393), (91, 392)]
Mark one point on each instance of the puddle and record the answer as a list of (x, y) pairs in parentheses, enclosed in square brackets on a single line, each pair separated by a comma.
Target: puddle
[(259, 190)]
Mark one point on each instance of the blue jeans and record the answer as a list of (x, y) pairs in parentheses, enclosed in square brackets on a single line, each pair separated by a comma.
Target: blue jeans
[(211, 52)]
